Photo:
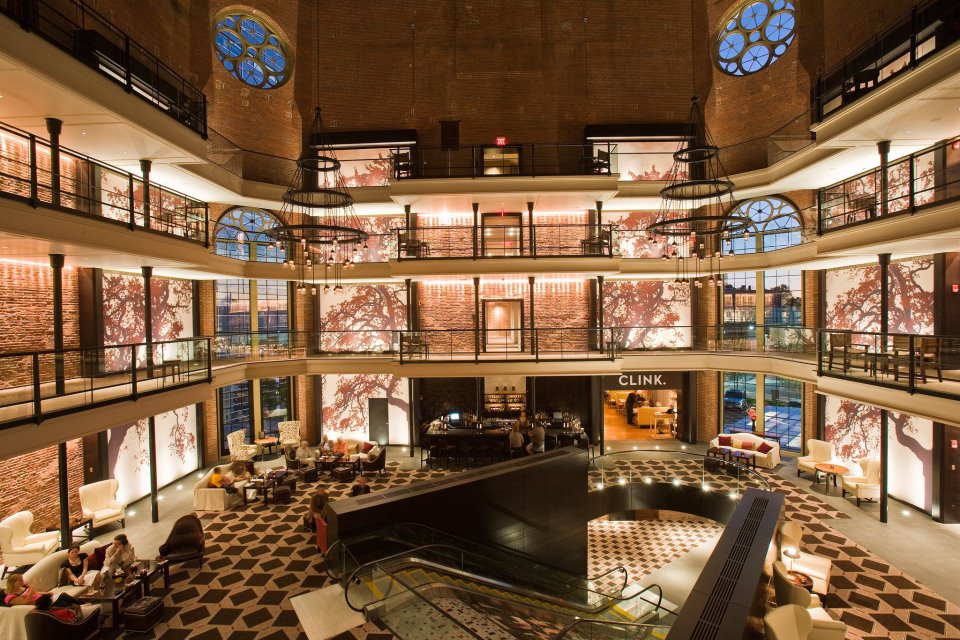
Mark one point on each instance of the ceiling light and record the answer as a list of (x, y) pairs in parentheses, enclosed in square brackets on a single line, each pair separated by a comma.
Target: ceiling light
[(83, 133)]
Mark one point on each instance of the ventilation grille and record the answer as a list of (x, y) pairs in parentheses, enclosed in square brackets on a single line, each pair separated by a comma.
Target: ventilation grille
[(715, 610)]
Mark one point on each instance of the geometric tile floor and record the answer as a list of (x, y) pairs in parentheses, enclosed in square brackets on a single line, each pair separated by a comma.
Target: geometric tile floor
[(259, 557)]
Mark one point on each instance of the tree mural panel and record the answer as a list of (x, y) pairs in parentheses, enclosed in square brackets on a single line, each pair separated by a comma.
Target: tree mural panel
[(382, 243), (373, 312), (653, 314), (853, 428), (910, 442), (345, 407), (631, 237)]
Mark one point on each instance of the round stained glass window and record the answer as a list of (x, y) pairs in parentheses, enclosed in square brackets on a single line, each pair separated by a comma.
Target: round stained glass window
[(753, 34), (252, 50)]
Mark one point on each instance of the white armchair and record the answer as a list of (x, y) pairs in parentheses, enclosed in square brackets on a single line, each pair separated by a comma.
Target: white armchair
[(793, 622), (817, 567), (865, 486), (239, 450), (289, 433), (98, 501), (19, 546), (818, 452)]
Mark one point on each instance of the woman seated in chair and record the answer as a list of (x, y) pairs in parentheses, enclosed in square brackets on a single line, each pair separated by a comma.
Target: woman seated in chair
[(74, 570), (19, 592), (341, 447)]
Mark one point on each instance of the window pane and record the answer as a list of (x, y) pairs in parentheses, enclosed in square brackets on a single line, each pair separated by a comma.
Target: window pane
[(233, 306), (234, 413), (740, 306), (272, 305), (783, 410), (275, 402), (739, 395), (782, 300)]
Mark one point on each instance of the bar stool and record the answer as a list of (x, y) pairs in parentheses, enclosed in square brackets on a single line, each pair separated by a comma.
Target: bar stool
[(449, 450)]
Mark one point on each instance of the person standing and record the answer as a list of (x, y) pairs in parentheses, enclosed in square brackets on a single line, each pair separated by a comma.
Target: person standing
[(628, 406)]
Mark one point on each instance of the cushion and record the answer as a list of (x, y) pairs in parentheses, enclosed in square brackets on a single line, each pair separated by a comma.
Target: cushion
[(103, 514), (367, 447), (746, 446), (764, 447), (373, 453), (96, 559), (726, 441)]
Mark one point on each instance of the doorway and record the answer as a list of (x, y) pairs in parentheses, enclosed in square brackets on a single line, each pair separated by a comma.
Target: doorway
[(502, 234), (502, 325)]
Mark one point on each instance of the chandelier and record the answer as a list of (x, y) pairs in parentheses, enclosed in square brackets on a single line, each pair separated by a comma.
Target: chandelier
[(696, 205), (321, 234)]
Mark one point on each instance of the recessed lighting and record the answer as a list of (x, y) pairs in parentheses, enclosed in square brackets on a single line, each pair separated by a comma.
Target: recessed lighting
[(733, 495), (83, 133), (676, 482), (647, 480), (657, 447), (905, 512), (684, 447), (623, 481), (599, 485), (159, 497), (634, 446), (705, 486), (909, 130), (131, 513), (179, 486)]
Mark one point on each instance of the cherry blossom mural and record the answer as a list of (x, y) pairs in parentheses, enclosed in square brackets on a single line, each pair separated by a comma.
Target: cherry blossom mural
[(631, 234), (123, 313), (362, 318), (366, 167), (859, 198), (128, 452), (345, 404), (650, 314), (382, 243), (853, 428), (853, 297), (646, 160)]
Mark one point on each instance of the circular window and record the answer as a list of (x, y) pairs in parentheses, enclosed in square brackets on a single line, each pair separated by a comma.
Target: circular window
[(753, 34), (252, 50)]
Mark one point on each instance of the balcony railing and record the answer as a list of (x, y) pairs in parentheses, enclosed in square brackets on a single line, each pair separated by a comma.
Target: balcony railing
[(540, 240), (85, 186), (474, 161), (922, 179), (44, 384), (929, 28), (381, 247), (92, 39)]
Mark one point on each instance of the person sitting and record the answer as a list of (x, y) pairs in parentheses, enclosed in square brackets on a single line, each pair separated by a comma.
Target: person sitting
[(516, 441), (19, 592), (360, 487), (304, 453), (341, 447), (326, 447), (219, 481), (242, 471), (318, 502), (120, 555), (74, 570), (63, 609), (538, 438)]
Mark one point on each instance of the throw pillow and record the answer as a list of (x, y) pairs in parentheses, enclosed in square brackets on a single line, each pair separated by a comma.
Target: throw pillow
[(96, 559), (764, 447), (373, 453), (746, 446), (367, 446), (726, 441)]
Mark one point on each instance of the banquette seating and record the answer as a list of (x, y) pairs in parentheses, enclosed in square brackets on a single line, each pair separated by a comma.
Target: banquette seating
[(766, 452)]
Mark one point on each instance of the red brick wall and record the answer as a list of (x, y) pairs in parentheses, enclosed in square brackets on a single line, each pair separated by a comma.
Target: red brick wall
[(30, 483), (849, 24)]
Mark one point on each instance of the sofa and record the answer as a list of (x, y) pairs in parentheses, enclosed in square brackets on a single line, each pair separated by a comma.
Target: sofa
[(865, 486), (355, 449), (818, 452), (43, 576), (817, 567), (768, 460), (207, 498), (793, 622), (19, 546), (98, 500)]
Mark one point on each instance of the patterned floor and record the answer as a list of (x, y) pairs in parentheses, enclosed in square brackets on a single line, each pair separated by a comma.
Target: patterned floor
[(259, 557)]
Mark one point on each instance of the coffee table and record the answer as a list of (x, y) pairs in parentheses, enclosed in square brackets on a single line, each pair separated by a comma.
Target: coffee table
[(262, 487), (345, 472), (745, 458), (327, 463), (800, 579), (150, 569), (829, 470), (116, 595)]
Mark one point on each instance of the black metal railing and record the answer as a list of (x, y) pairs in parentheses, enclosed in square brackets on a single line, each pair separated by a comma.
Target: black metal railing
[(929, 27), (925, 178), (494, 241), (89, 37), (474, 161), (86, 186), (42, 384)]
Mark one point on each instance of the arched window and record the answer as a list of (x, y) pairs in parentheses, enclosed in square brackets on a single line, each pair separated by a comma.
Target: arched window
[(252, 49), (776, 225), (240, 235), (753, 34)]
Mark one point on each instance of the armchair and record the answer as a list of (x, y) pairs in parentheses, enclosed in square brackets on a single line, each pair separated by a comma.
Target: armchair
[(793, 622), (866, 486), (289, 433), (185, 542), (379, 463), (19, 546), (817, 567), (99, 502), (818, 452), (43, 625), (842, 343), (239, 450), (787, 592)]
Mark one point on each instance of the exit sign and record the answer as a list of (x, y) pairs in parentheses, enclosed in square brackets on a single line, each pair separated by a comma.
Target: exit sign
[(501, 141)]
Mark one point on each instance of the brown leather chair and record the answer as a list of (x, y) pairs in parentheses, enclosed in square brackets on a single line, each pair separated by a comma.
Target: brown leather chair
[(43, 625), (377, 464), (185, 542)]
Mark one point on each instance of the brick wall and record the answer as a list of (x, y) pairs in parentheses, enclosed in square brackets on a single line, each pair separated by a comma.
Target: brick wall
[(708, 405), (849, 24), (30, 483)]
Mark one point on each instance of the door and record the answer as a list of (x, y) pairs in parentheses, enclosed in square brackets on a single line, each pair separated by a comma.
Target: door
[(379, 410), (502, 325), (502, 234), (950, 498)]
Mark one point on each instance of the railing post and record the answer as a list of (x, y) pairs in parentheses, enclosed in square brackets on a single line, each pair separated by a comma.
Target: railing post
[(209, 359), (473, 233), (145, 171), (912, 380), (54, 127), (206, 225), (133, 372), (819, 212), (883, 147), (476, 319), (131, 202), (820, 335), (33, 170), (913, 36), (910, 177), (37, 404), (203, 117)]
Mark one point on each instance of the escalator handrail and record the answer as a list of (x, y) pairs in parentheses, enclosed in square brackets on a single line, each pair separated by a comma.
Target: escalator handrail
[(637, 625), (659, 599), (346, 549), (410, 556), (626, 576)]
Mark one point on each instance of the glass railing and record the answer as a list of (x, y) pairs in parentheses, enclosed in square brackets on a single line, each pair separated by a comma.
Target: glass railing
[(609, 630), (85, 186), (43, 384), (92, 39), (496, 241), (929, 27), (924, 178), (473, 161), (381, 247)]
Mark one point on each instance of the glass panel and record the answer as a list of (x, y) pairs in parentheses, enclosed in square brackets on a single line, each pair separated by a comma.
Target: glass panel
[(783, 410), (501, 161), (275, 403), (272, 305), (739, 307), (233, 306), (739, 396), (782, 299), (234, 413), (502, 234)]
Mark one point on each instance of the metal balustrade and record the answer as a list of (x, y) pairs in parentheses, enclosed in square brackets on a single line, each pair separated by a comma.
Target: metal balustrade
[(82, 185), (506, 241), (89, 37), (922, 179)]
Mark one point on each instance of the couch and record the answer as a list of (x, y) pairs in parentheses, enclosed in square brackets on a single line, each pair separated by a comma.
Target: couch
[(43, 625), (817, 567), (355, 449), (43, 576), (793, 622), (818, 452), (865, 486), (207, 498), (768, 460), (185, 542), (98, 500), (19, 546)]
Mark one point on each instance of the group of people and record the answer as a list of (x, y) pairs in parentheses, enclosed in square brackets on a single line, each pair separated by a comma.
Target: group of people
[(536, 433), (320, 499)]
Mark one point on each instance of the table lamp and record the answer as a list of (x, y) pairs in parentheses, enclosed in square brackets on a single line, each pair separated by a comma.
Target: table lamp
[(791, 553)]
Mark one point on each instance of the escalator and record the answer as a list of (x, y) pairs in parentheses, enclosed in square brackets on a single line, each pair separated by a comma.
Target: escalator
[(446, 591)]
